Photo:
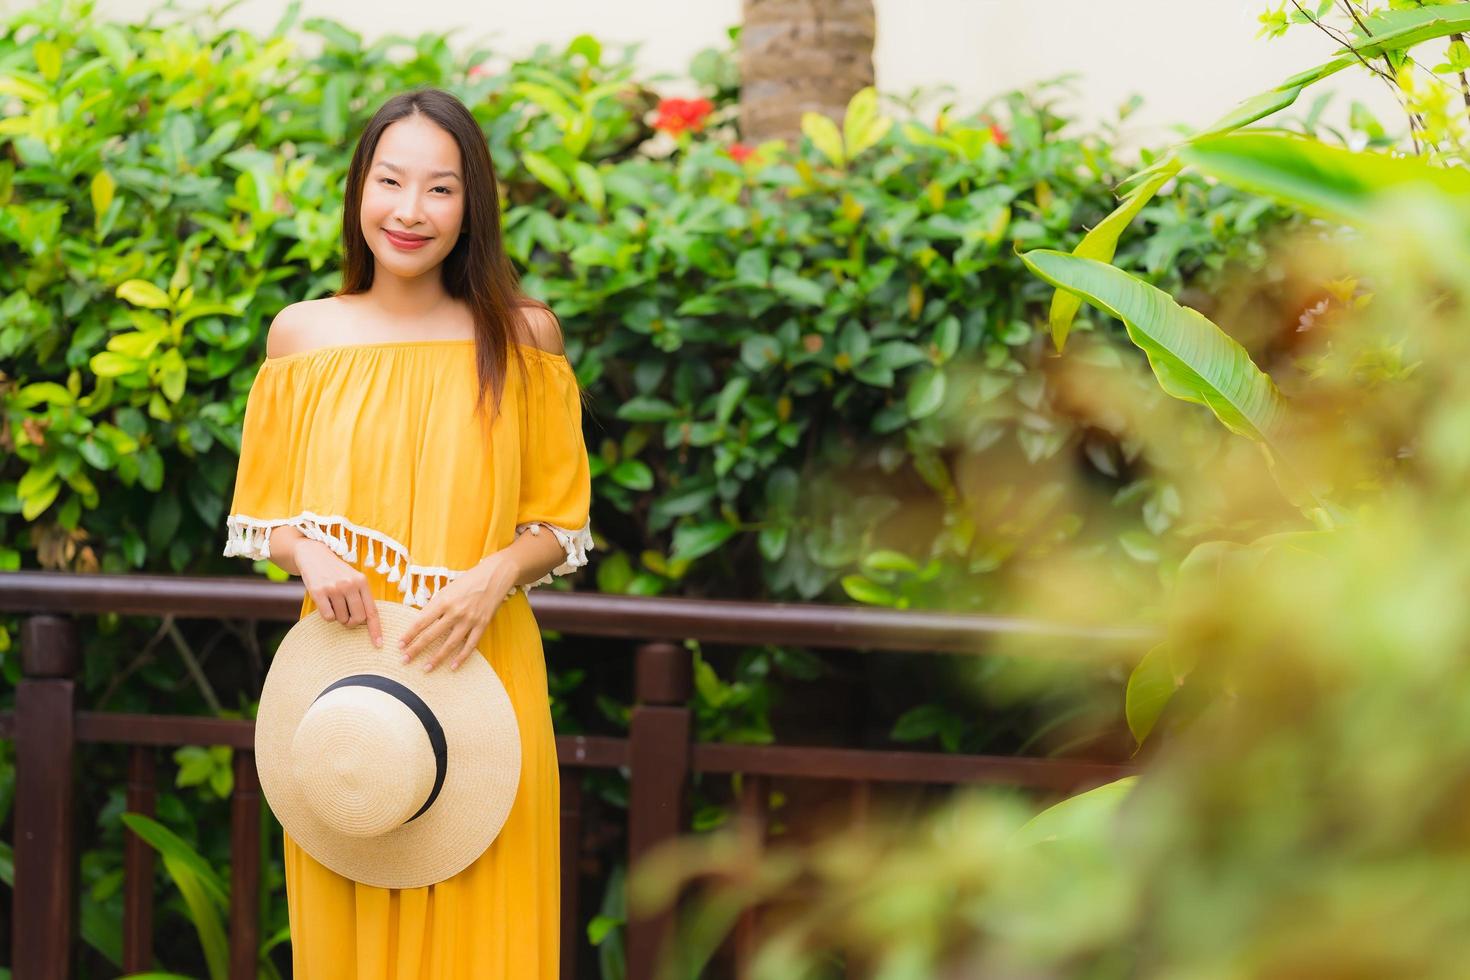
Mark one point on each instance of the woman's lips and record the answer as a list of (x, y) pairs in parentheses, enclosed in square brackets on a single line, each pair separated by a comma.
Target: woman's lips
[(406, 244)]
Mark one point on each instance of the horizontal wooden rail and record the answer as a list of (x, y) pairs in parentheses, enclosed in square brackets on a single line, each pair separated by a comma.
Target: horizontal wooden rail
[(609, 752), (642, 618)]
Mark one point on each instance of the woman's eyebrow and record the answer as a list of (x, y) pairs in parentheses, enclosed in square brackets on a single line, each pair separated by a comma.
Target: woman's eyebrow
[(433, 176)]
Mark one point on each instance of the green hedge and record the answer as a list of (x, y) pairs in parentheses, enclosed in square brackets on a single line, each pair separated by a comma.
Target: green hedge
[(745, 329)]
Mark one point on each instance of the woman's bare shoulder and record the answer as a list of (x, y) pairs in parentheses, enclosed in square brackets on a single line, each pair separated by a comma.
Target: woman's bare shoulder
[(303, 326), (542, 327), (296, 328)]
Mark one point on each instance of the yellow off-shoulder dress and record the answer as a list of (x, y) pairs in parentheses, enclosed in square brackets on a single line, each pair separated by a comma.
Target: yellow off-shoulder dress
[(374, 450)]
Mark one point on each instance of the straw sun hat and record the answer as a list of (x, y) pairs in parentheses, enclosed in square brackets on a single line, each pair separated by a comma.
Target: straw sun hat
[(383, 772)]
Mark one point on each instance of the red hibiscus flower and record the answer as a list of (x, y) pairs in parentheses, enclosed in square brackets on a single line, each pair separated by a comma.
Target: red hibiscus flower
[(739, 152), (677, 115), (1000, 136)]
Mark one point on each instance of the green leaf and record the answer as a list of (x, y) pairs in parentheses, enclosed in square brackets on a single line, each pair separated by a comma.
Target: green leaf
[(108, 364), (824, 136), (103, 189), (947, 337), (1150, 686), (600, 926), (1101, 243), (794, 287), (43, 391), (926, 394), (885, 560), (862, 127), (589, 185), (919, 723), (633, 474), (642, 408), (207, 919), (174, 848), (714, 691), (730, 397), (1394, 30), (1193, 359), (547, 98), (868, 592), (140, 292), (759, 351), (1329, 181), (695, 540), (1086, 815), (548, 173)]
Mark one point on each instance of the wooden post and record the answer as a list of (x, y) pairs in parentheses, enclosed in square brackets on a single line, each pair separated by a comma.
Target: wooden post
[(571, 855), (44, 914), (658, 752), (245, 868), (138, 865)]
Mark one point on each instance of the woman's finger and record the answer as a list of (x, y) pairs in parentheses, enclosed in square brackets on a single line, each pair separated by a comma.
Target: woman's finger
[(339, 608), (470, 647), (375, 629), (323, 603), (451, 645), (429, 628), (356, 613)]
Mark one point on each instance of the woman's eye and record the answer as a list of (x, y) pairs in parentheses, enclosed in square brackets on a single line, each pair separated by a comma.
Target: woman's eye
[(390, 180)]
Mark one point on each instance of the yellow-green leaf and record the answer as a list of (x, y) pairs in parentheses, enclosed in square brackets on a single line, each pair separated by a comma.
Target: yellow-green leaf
[(824, 136), (589, 185), (862, 126), (140, 292), (548, 173), (108, 364), (103, 187), (1150, 686), (48, 60), (1101, 243)]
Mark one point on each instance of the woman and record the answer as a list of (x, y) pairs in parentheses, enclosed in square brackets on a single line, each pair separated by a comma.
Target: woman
[(400, 439)]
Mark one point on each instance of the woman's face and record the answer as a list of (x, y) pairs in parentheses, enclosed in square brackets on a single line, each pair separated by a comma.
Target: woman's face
[(413, 198)]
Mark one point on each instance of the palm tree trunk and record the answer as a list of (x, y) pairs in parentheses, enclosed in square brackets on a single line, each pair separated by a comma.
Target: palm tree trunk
[(801, 56)]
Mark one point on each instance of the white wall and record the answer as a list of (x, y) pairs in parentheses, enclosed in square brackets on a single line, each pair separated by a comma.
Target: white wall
[(1190, 59)]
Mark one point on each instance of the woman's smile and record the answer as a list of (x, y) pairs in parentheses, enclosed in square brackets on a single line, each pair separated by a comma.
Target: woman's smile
[(404, 241)]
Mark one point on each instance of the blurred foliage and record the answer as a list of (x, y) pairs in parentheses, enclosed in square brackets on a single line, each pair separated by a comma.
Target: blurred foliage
[(1301, 809)]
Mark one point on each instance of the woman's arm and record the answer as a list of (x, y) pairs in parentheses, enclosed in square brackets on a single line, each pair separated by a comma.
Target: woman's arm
[(284, 540), (533, 556)]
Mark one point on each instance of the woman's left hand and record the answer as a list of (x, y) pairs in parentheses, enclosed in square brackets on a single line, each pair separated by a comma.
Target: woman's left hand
[(460, 612)]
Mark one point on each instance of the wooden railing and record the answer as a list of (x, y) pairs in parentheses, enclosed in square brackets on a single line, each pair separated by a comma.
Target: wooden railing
[(659, 752)]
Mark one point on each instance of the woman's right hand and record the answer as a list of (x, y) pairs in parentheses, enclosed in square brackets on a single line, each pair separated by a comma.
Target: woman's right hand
[(340, 591)]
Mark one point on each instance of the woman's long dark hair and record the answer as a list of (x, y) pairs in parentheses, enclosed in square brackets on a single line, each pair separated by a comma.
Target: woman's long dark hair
[(477, 270)]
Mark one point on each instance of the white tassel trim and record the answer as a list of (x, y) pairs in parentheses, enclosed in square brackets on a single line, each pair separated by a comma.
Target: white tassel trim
[(576, 544), (250, 538)]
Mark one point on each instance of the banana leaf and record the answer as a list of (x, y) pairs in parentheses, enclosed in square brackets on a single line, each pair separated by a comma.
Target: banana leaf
[(1329, 181), (1193, 359), (204, 892)]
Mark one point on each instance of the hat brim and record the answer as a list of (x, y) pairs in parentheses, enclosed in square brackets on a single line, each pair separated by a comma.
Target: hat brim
[(484, 751)]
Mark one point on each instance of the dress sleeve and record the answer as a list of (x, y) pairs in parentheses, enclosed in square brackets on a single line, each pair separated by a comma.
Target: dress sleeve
[(556, 479), (263, 494)]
